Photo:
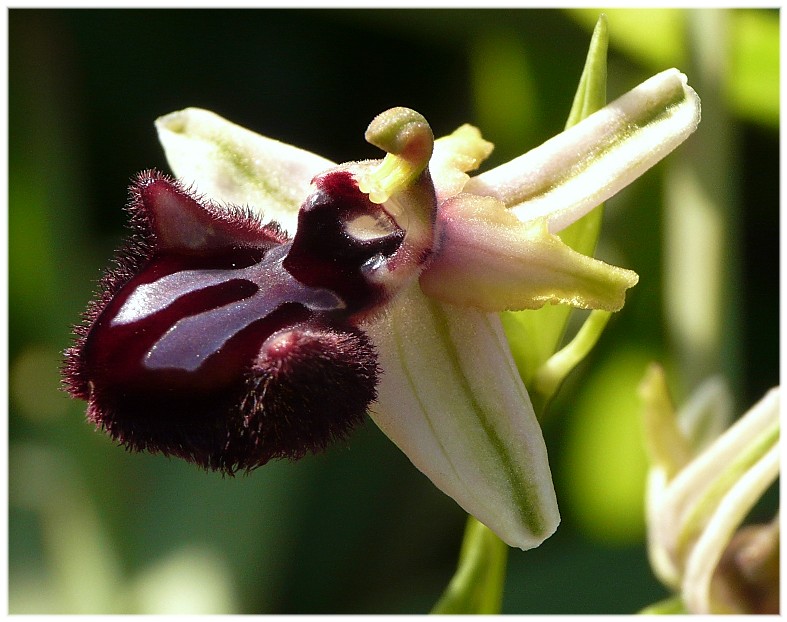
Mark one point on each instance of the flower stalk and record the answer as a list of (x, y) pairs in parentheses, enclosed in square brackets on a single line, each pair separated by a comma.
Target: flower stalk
[(477, 586)]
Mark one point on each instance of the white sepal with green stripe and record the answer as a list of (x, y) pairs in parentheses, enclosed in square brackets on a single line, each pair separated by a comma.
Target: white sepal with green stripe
[(451, 398), (231, 164)]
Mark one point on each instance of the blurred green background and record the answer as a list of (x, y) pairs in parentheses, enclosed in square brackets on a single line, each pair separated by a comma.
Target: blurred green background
[(93, 529)]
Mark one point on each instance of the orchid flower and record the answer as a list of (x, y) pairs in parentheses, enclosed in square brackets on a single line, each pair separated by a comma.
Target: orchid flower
[(705, 477), (269, 298)]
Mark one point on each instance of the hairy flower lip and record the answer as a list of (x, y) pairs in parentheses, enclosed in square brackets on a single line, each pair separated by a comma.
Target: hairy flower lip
[(202, 345)]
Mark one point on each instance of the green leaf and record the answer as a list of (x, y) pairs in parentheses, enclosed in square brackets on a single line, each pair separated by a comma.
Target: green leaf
[(592, 91), (655, 37), (477, 586)]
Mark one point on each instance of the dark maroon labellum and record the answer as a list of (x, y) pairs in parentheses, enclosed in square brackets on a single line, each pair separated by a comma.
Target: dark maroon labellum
[(325, 252), (219, 340)]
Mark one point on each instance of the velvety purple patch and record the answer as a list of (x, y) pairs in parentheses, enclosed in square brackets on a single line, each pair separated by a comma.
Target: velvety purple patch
[(217, 339)]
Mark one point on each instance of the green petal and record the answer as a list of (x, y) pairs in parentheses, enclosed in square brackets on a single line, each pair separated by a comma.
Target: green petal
[(231, 164), (490, 260), (570, 174), (667, 446), (451, 398)]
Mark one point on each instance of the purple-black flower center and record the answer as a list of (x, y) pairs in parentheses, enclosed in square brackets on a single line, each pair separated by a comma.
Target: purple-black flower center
[(219, 340)]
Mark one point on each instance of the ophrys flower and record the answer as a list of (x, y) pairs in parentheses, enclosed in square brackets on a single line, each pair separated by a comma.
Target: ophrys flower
[(270, 298)]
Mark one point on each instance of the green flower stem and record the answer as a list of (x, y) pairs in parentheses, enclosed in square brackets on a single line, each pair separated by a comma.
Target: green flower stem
[(551, 374), (477, 586)]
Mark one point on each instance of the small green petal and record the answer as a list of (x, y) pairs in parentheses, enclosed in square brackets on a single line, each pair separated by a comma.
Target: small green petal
[(666, 445), (490, 260), (231, 164), (454, 155), (450, 397)]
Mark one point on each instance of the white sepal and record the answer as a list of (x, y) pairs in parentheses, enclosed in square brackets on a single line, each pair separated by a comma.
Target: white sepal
[(451, 398), (231, 164)]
